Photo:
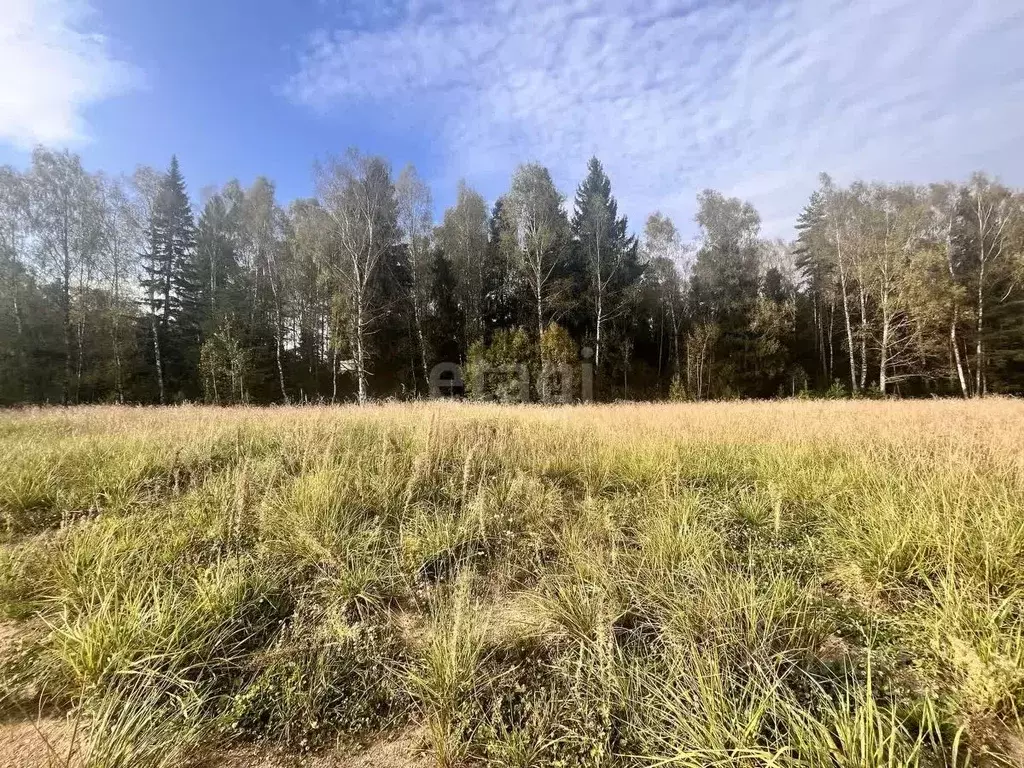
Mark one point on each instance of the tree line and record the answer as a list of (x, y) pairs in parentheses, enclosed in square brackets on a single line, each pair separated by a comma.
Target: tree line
[(116, 289)]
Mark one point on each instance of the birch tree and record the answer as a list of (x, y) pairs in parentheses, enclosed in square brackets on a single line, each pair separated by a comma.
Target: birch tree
[(666, 268), (358, 196), (415, 220), (263, 237), (463, 235), (724, 287), (835, 202), (14, 231), (66, 225), (122, 240), (944, 207), (538, 229), (899, 230), (992, 212)]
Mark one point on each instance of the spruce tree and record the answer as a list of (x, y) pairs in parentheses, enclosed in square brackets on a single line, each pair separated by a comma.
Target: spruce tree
[(503, 301), (814, 260), (171, 285), (606, 250), (447, 319), (216, 265)]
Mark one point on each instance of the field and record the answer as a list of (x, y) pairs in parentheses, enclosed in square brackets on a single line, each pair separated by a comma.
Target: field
[(789, 584)]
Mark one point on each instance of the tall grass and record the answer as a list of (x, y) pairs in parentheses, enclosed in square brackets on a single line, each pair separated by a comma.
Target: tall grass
[(792, 584)]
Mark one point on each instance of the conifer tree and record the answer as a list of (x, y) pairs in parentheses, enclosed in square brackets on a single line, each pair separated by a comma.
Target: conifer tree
[(171, 285), (447, 320), (609, 251), (815, 262)]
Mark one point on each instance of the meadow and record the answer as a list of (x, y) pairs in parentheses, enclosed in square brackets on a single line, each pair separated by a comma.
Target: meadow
[(797, 583)]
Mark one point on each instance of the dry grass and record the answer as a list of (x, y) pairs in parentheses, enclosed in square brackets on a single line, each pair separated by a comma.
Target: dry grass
[(793, 583)]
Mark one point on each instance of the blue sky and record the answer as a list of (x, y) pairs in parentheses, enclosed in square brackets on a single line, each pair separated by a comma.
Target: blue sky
[(751, 97)]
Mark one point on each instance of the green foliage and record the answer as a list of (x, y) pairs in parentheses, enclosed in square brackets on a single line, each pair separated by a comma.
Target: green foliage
[(836, 391), (677, 391), (324, 676), (559, 378), (225, 367), (501, 370), (513, 369)]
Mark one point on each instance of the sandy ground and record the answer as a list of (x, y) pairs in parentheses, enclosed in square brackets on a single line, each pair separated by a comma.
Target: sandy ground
[(398, 750), (45, 742), (33, 743)]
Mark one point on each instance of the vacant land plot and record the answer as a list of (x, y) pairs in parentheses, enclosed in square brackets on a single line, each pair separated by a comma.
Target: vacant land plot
[(791, 584)]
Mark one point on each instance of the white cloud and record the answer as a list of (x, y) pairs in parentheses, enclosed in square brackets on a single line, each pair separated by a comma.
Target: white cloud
[(51, 69), (754, 98)]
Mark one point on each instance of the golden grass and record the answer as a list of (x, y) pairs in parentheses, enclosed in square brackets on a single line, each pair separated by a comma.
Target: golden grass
[(791, 583)]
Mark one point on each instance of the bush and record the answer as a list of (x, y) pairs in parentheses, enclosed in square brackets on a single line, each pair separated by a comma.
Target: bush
[(501, 371), (559, 377)]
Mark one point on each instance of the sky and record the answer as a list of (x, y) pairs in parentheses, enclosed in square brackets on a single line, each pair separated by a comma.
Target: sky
[(751, 97)]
